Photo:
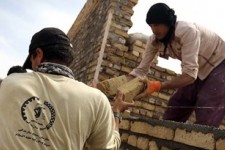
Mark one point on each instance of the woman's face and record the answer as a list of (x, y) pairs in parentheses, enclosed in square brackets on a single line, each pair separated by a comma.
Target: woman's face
[(159, 30)]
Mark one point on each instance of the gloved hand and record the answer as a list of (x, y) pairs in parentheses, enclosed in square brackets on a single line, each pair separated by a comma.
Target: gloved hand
[(153, 86)]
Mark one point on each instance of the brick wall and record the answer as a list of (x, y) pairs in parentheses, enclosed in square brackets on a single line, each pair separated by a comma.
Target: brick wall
[(105, 50), (87, 34), (142, 133)]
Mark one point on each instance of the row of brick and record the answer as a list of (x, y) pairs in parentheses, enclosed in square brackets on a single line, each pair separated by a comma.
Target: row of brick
[(184, 136)]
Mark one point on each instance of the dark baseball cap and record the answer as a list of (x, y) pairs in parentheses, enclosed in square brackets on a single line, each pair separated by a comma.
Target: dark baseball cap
[(47, 37)]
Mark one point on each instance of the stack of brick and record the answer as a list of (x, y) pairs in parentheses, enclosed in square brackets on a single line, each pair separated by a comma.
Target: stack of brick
[(130, 89), (110, 87)]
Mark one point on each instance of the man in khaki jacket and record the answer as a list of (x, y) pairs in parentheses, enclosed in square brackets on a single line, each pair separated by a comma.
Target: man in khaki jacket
[(201, 52), (48, 109)]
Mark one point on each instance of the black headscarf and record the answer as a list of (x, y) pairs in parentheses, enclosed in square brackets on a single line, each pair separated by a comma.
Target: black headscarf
[(161, 13)]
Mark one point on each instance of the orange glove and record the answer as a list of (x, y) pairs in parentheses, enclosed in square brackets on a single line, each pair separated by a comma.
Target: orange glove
[(153, 86)]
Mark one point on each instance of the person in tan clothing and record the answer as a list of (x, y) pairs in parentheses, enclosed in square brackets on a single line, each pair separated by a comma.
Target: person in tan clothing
[(200, 87), (48, 109)]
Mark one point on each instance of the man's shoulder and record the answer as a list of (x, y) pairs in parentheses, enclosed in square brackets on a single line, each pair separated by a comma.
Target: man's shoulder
[(16, 77), (185, 28), (184, 25)]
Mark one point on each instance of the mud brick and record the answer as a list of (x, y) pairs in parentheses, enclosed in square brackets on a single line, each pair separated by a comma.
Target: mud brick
[(137, 49), (222, 127), (120, 47), (138, 43), (135, 53), (125, 124), (158, 102), (157, 74), (131, 89), (149, 114), (138, 103), (160, 69), (165, 148), (169, 78), (109, 86), (143, 112), (146, 99), (161, 132), (126, 113), (130, 56), (117, 67), (156, 94), (132, 140), (126, 69), (135, 111), (148, 106), (171, 72), (193, 138), (120, 53), (124, 137), (111, 72), (164, 96), (153, 145), (134, 1), (156, 115), (159, 109), (103, 77), (124, 34), (220, 144), (142, 143), (152, 100), (140, 127)]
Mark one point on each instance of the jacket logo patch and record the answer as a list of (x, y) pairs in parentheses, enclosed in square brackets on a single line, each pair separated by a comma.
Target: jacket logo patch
[(39, 114)]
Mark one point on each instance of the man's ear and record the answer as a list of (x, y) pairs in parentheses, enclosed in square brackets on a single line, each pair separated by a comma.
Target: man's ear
[(40, 55)]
